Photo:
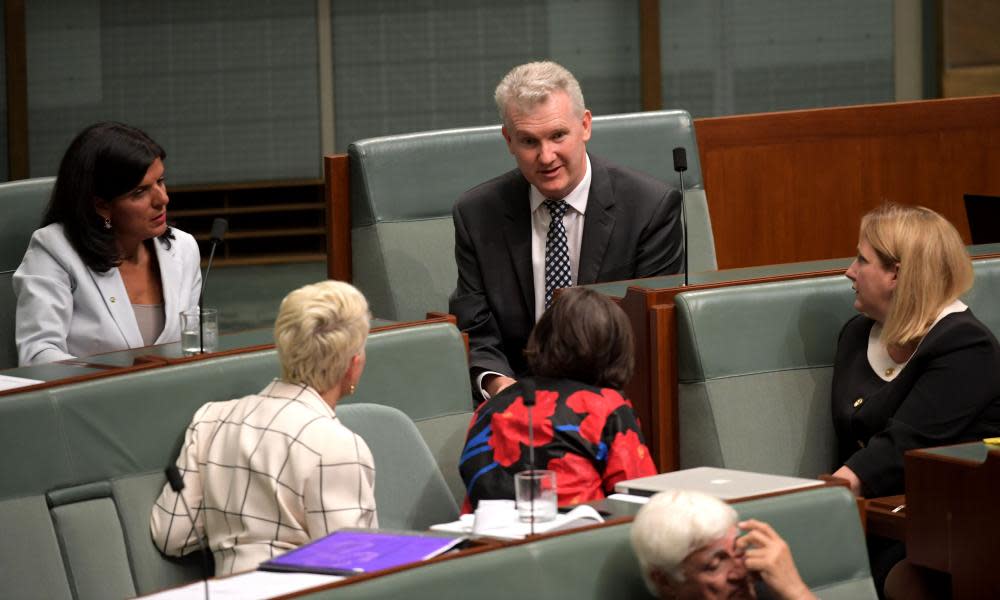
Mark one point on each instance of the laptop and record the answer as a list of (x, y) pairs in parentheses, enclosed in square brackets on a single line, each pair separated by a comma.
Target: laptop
[(726, 484)]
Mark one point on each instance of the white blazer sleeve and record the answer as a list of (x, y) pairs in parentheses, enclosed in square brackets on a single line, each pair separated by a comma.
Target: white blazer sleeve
[(44, 289)]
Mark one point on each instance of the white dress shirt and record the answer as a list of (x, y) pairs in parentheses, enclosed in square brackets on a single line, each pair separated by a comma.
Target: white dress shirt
[(878, 354), (264, 474), (572, 221)]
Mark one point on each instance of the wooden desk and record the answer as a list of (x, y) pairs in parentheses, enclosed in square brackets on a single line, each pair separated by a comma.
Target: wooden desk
[(885, 517), (953, 515), (626, 510)]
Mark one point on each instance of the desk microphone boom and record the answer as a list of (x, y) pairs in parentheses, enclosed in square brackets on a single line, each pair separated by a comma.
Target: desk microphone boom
[(219, 227), (681, 165), (176, 481)]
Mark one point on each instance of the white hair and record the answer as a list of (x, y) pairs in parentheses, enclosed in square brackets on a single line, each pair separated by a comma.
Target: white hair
[(530, 84), (672, 525), (319, 328)]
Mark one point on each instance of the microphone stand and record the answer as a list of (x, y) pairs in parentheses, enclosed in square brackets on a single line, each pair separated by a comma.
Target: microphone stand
[(681, 165), (219, 227), (176, 481), (529, 402)]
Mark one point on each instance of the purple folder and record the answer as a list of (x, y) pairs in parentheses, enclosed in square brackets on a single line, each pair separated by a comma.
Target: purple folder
[(352, 551)]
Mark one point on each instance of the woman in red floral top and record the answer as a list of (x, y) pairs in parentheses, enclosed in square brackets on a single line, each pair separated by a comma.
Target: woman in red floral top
[(581, 354)]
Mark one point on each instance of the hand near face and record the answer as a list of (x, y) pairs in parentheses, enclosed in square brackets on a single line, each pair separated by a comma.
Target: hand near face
[(767, 555)]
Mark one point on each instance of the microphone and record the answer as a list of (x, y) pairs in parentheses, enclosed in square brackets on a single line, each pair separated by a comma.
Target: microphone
[(219, 227), (529, 401), (176, 481), (681, 165)]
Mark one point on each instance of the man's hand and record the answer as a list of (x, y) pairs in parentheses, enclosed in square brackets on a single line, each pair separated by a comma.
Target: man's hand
[(494, 384), (768, 556)]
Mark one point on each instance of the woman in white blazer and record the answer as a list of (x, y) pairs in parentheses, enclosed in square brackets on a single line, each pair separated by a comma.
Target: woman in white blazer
[(105, 272)]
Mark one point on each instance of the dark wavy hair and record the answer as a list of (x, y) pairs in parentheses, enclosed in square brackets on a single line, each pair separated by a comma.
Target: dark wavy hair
[(104, 161), (583, 336)]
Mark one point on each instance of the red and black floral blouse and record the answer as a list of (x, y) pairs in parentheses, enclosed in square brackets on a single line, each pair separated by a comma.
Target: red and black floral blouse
[(589, 436)]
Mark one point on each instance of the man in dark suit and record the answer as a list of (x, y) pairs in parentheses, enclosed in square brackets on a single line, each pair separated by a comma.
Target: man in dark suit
[(561, 218)]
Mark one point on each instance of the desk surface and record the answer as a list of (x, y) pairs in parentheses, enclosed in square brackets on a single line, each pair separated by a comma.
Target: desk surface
[(618, 289), (120, 359), (972, 451)]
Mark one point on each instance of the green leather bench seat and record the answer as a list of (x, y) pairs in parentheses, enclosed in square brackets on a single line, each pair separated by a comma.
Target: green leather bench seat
[(821, 526), (403, 189), (984, 297), (84, 462), (21, 204), (755, 366)]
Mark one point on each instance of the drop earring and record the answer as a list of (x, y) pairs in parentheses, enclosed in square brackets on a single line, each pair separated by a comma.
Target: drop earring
[(107, 222)]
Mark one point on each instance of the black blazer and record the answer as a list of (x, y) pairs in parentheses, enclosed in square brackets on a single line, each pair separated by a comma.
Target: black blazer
[(949, 392), (632, 228)]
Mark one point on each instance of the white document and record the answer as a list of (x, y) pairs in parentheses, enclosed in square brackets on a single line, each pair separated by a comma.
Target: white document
[(252, 585), (12, 383), (516, 530)]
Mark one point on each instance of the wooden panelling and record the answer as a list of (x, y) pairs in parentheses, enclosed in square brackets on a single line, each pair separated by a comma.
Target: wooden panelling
[(970, 81), (649, 55), (792, 186), (336, 170), (969, 33), (16, 56), (953, 520)]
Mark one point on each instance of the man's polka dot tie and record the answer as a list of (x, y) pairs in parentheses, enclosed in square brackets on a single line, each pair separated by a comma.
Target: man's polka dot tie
[(557, 268)]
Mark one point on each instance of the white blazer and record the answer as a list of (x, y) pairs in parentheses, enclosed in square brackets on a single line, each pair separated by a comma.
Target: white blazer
[(66, 310)]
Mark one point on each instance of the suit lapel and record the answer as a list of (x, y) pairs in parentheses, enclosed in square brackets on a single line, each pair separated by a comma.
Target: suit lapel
[(116, 300), (598, 223), (170, 280), (517, 231)]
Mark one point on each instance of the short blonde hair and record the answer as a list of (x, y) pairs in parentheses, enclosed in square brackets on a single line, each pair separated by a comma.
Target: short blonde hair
[(672, 525), (934, 266), (530, 84), (319, 328)]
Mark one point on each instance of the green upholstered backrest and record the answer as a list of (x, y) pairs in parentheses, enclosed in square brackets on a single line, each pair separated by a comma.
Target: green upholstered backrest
[(21, 204), (755, 363), (403, 188), (423, 371), (410, 491), (8, 312), (82, 463), (984, 297), (822, 528)]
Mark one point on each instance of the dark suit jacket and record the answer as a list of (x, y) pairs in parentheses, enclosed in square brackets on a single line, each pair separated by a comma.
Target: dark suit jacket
[(948, 393), (632, 228)]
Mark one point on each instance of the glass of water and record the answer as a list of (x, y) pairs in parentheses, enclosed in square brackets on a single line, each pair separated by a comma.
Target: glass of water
[(191, 330), (535, 495)]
